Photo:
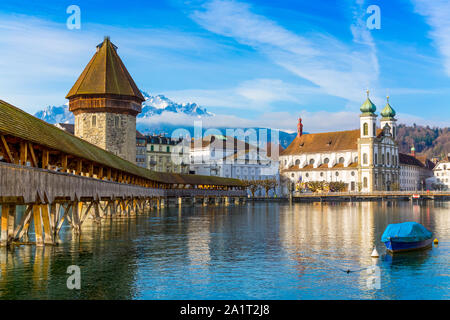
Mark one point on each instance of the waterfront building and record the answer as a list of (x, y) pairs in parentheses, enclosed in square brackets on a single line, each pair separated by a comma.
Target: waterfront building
[(366, 159), (414, 171), (441, 175), (165, 154), (141, 150), (105, 101), (225, 156)]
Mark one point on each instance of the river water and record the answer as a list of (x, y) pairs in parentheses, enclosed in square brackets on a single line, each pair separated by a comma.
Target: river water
[(254, 251)]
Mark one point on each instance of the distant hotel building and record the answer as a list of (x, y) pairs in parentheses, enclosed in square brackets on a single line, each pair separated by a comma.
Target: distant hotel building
[(414, 171), (228, 157), (165, 154), (141, 150), (441, 178), (366, 159)]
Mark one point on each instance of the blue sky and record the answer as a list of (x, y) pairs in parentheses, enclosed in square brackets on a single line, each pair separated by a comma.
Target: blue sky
[(252, 63)]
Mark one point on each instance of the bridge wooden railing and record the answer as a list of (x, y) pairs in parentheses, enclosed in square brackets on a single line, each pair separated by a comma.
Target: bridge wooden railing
[(51, 197)]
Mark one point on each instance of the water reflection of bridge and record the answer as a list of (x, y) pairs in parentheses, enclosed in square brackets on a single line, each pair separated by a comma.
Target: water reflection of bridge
[(59, 177)]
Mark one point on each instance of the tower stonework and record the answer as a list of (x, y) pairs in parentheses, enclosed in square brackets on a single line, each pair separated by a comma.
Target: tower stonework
[(105, 101)]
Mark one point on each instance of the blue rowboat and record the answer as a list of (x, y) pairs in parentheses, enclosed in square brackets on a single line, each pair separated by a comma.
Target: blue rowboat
[(406, 236)]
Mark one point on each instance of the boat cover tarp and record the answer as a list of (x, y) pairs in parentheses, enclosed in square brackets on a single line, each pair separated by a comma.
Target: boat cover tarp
[(406, 232)]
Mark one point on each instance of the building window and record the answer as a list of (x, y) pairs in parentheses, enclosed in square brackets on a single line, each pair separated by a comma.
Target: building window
[(366, 129), (297, 162), (353, 173), (168, 149), (374, 129), (337, 174), (341, 160), (388, 158), (365, 182), (152, 148), (321, 174), (116, 121), (326, 160), (365, 160), (94, 121), (311, 162)]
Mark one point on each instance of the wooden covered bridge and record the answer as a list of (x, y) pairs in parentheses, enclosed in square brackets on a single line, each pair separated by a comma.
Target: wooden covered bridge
[(59, 177)]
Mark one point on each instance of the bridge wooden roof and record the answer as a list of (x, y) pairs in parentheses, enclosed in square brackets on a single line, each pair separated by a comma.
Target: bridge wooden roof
[(105, 74), (17, 123)]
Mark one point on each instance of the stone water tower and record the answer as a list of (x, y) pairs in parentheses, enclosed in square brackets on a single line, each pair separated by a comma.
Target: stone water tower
[(105, 101)]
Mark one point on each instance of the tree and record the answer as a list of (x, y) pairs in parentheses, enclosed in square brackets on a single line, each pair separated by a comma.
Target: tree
[(269, 184), (338, 186), (395, 186), (252, 186)]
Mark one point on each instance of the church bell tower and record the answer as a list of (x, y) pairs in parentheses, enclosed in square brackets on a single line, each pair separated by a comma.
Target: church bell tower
[(366, 145)]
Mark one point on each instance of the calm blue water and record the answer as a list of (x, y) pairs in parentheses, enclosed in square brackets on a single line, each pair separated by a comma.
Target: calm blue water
[(257, 251)]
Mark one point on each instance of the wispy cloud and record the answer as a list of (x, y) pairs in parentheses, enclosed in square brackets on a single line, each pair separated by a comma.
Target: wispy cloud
[(40, 59), (437, 13), (340, 69), (286, 121), (256, 94)]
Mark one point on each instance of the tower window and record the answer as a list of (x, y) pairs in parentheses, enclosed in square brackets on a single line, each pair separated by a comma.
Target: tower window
[(365, 160), (374, 129), (366, 129), (94, 121), (365, 182)]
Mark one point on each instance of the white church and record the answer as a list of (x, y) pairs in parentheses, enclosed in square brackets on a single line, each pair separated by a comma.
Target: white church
[(366, 159)]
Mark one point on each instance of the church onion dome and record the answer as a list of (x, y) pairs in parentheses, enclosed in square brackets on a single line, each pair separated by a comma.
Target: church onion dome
[(368, 107), (388, 111)]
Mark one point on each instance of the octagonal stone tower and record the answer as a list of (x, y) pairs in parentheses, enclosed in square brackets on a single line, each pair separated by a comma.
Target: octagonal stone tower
[(105, 101)]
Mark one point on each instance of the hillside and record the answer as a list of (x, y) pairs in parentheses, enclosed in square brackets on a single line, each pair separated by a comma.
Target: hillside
[(431, 142)]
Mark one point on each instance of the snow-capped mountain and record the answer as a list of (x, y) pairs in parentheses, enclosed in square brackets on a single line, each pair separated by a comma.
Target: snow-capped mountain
[(153, 105), (56, 114), (159, 104)]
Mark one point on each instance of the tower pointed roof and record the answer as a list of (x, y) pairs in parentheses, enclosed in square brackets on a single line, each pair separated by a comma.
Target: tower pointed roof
[(368, 107), (105, 74), (388, 111)]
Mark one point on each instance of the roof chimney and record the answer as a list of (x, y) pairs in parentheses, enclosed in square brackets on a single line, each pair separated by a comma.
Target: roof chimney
[(299, 128)]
